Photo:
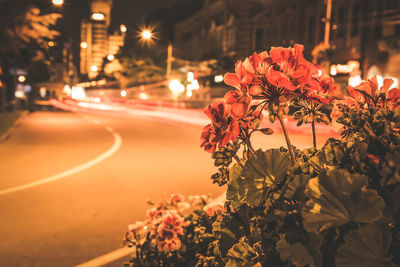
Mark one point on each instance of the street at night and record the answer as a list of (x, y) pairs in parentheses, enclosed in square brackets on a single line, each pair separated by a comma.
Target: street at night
[(200, 133), (82, 216)]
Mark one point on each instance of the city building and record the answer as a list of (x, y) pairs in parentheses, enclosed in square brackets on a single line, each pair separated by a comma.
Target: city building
[(96, 42), (364, 34)]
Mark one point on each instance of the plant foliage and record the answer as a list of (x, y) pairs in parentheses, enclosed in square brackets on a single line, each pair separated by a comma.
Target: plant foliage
[(338, 205)]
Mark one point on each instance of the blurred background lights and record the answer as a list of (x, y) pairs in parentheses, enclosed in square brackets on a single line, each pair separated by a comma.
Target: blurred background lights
[(355, 81), (123, 93), (189, 93), (190, 76), (98, 16), (51, 44), (67, 90), (143, 96), (110, 57), (78, 92), (218, 78), (19, 94), (93, 68), (122, 28), (42, 92), (58, 2), (21, 78), (84, 45), (176, 86)]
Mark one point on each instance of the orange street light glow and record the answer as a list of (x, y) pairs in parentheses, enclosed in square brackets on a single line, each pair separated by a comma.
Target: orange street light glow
[(21, 78), (122, 28), (51, 44), (146, 34), (84, 45), (58, 2)]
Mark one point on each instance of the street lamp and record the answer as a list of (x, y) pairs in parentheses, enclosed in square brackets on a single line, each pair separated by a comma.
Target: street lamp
[(58, 2), (84, 45), (147, 35), (122, 28)]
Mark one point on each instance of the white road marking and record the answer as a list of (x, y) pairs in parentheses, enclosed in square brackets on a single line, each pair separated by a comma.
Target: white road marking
[(114, 148), (109, 257), (125, 251)]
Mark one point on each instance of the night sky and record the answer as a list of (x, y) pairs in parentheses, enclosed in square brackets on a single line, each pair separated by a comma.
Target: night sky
[(129, 12)]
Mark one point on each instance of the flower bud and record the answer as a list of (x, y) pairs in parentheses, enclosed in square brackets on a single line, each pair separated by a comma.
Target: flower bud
[(267, 131), (271, 117)]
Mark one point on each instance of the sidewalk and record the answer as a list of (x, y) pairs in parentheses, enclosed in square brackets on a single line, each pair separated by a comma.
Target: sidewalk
[(8, 121)]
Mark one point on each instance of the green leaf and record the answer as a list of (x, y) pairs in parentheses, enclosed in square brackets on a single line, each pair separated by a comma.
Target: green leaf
[(241, 254), (367, 246), (338, 197), (261, 171), (296, 186), (330, 155), (295, 253), (231, 228), (233, 186)]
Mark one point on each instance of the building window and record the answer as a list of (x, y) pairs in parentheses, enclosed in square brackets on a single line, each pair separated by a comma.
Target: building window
[(259, 39), (341, 22), (355, 20)]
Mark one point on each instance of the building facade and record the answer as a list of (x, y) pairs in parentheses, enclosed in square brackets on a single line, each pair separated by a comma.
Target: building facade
[(364, 34), (96, 42)]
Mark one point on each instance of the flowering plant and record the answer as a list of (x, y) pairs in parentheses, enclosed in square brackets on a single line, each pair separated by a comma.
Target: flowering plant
[(337, 205)]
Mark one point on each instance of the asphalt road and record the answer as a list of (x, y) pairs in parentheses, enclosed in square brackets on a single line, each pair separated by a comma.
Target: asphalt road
[(84, 215)]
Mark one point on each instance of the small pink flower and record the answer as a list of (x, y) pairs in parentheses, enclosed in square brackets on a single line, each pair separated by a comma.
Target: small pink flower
[(215, 209), (176, 198)]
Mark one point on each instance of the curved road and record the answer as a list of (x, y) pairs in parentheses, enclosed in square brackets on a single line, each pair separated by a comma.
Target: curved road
[(84, 215)]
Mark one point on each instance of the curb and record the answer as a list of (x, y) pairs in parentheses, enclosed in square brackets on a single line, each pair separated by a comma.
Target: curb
[(12, 128)]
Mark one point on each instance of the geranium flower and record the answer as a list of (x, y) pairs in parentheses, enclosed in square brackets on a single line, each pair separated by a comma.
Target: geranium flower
[(324, 92), (368, 93), (237, 103), (222, 129), (293, 66), (212, 210)]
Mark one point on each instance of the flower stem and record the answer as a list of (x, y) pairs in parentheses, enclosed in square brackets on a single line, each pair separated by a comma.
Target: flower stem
[(238, 161), (290, 148), (314, 137)]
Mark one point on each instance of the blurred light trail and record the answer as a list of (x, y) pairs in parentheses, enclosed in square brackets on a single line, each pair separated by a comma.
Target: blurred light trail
[(155, 110)]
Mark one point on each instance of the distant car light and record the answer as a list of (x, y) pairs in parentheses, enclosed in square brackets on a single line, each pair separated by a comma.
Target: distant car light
[(123, 93)]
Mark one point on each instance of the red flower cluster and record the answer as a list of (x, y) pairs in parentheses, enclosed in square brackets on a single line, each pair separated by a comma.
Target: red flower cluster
[(368, 94), (222, 129), (275, 77)]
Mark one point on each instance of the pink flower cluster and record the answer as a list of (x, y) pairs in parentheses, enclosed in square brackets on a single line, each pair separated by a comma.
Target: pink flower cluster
[(166, 222)]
